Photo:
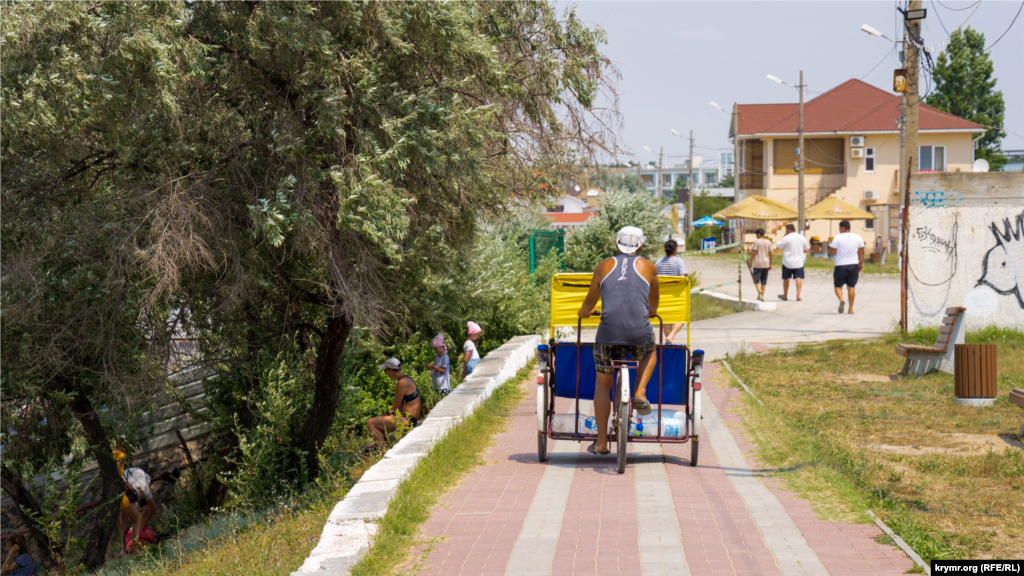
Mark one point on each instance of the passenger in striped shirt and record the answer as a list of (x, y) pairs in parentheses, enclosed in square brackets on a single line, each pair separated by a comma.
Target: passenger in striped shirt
[(18, 561), (671, 265)]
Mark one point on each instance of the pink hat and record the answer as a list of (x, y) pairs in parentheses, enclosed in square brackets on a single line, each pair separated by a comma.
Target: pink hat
[(437, 341), (473, 327)]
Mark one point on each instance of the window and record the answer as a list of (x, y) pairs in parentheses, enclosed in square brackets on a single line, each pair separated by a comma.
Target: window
[(931, 159), (666, 179), (727, 158), (685, 179), (710, 178), (821, 156), (869, 224), (647, 179), (869, 160)]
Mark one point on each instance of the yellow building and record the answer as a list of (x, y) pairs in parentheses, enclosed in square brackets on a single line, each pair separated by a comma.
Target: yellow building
[(851, 152)]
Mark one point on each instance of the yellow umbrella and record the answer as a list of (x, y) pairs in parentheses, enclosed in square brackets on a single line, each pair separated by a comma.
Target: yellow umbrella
[(758, 208), (835, 209)]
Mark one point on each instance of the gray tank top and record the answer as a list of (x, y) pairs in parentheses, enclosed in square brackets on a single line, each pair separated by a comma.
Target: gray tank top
[(624, 306)]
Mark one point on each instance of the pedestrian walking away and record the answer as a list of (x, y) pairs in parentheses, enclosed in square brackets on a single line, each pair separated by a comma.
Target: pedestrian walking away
[(440, 374), (627, 286), (762, 251), (849, 251), (470, 355), (671, 265), (794, 251)]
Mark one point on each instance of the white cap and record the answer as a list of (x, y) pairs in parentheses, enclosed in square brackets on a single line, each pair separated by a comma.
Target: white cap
[(629, 239), (392, 363)]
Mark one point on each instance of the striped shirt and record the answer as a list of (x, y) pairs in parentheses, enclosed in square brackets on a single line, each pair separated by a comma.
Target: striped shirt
[(26, 566), (670, 266)]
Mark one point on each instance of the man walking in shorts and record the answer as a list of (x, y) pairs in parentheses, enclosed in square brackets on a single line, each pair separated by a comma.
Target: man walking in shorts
[(849, 251), (794, 250), (762, 252)]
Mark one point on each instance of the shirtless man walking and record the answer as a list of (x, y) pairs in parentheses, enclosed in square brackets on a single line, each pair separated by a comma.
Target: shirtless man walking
[(627, 286)]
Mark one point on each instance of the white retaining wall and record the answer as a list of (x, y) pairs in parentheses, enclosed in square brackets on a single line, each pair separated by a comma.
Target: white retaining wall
[(353, 523), (966, 248)]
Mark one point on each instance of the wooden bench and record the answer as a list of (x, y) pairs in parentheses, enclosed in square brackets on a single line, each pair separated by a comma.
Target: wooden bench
[(922, 359)]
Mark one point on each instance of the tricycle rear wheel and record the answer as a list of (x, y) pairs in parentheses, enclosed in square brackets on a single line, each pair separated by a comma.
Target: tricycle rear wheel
[(694, 447), (542, 447)]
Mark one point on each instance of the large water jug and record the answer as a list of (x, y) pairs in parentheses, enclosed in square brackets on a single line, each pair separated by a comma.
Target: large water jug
[(673, 424)]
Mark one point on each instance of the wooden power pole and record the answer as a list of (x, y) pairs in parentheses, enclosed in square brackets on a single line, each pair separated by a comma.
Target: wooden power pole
[(657, 187), (800, 169), (911, 38), (689, 210)]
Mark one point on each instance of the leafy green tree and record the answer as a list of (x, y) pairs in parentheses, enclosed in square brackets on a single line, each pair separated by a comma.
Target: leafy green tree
[(728, 182), (265, 176), (965, 86), (588, 245)]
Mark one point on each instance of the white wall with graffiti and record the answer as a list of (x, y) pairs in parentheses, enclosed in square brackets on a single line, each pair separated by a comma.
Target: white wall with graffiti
[(966, 248)]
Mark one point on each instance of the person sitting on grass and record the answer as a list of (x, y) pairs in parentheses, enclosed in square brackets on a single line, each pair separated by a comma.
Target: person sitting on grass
[(406, 407), (18, 562), (440, 375)]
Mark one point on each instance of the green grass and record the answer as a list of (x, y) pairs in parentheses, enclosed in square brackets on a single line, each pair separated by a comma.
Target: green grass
[(706, 307), (276, 540), (448, 461), (850, 444)]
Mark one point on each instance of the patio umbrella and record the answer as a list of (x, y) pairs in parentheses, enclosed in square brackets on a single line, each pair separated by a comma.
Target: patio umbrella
[(707, 221), (758, 208), (835, 209)]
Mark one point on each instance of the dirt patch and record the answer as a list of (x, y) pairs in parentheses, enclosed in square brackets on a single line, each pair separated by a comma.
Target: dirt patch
[(858, 377), (954, 444)]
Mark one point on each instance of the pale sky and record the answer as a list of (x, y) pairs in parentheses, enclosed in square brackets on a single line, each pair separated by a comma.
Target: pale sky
[(675, 57)]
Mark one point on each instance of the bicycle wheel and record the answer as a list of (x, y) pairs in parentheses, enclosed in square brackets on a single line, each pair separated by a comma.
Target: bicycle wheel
[(622, 421), (542, 418), (695, 426)]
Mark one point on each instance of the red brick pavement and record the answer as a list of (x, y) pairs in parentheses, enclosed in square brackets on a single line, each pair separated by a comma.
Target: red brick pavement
[(474, 528)]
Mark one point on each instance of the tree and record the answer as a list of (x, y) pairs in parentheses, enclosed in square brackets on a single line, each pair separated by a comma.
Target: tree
[(965, 87), (595, 241), (256, 175), (728, 182)]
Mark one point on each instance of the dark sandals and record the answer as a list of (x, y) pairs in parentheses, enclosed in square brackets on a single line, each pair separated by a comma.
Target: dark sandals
[(593, 450), (642, 406)]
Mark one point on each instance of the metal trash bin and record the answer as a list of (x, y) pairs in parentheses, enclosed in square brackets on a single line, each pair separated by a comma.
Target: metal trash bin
[(975, 374)]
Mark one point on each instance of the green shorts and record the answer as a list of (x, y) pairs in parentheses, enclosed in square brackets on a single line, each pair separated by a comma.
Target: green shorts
[(605, 354)]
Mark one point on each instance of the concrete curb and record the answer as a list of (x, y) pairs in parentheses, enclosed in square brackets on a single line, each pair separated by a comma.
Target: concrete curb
[(352, 525), (747, 304)]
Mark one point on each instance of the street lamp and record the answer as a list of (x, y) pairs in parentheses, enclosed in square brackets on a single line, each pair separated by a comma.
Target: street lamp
[(657, 185), (799, 151)]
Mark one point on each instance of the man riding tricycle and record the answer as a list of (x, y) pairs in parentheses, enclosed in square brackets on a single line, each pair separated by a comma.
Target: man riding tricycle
[(621, 297)]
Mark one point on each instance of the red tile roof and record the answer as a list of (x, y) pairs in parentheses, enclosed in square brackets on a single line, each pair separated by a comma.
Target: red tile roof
[(569, 217), (853, 106)]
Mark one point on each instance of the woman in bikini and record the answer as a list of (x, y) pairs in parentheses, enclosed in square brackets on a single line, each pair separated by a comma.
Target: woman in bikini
[(406, 407)]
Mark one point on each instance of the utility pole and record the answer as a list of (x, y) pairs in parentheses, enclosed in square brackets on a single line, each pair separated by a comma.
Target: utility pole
[(689, 211), (661, 156), (735, 169), (911, 37), (800, 169)]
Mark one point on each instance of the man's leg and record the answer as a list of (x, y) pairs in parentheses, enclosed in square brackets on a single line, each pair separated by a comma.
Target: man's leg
[(602, 408), (785, 288), (853, 293), (645, 369), (799, 287), (839, 293), (675, 330)]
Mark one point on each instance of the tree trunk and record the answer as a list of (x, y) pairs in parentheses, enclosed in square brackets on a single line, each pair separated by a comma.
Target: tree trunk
[(101, 521), (28, 510), (326, 391)]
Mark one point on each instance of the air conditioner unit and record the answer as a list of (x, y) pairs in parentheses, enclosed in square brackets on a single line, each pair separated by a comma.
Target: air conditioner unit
[(856, 152), (871, 194), (856, 141)]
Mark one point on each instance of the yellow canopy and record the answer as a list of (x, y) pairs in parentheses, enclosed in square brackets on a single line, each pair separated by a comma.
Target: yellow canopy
[(569, 290), (758, 208), (834, 209)]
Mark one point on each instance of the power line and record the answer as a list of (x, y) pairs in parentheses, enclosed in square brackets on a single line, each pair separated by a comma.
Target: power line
[(1008, 29), (959, 9), (884, 58), (940, 20)]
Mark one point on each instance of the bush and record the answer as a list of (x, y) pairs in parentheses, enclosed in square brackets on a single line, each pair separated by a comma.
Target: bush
[(595, 241)]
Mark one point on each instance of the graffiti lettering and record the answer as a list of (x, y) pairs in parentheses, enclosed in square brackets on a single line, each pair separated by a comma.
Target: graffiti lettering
[(938, 199), (1003, 266), (935, 243)]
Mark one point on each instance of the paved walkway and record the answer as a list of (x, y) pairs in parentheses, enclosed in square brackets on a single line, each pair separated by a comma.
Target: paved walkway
[(574, 514)]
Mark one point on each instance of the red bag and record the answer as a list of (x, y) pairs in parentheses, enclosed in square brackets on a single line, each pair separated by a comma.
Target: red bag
[(148, 537)]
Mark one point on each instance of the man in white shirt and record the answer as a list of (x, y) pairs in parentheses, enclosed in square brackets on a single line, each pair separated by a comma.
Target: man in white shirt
[(849, 251), (794, 250)]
